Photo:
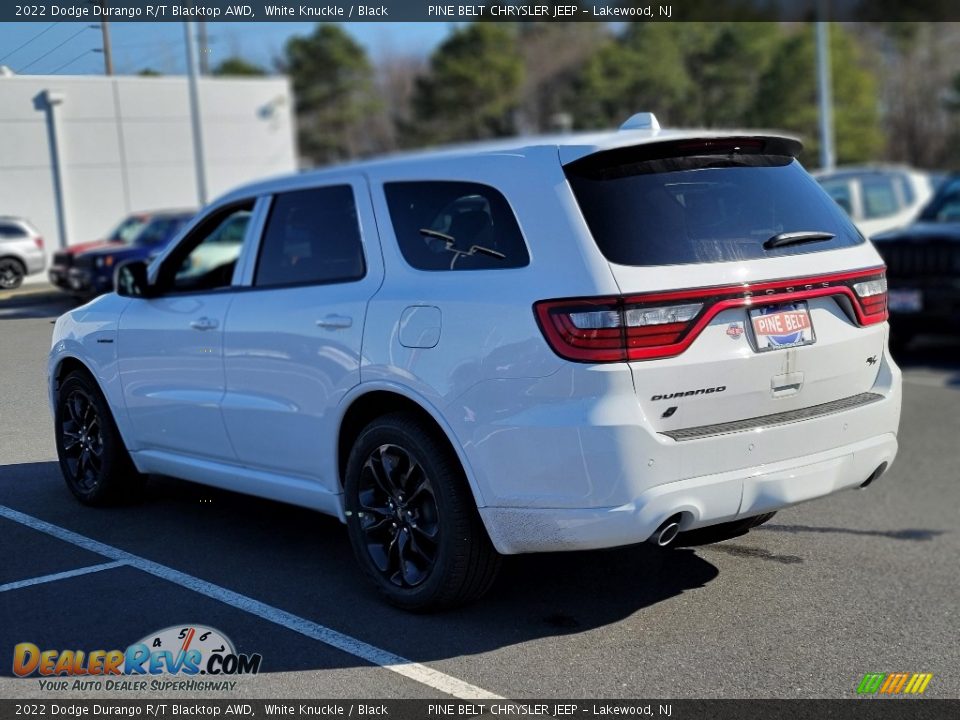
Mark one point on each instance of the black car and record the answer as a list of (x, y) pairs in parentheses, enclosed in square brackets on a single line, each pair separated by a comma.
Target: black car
[(92, 271), (923, 268)]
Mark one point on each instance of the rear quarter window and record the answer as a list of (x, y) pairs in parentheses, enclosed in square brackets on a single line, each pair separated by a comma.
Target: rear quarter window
[(713, 202), (455, 226)]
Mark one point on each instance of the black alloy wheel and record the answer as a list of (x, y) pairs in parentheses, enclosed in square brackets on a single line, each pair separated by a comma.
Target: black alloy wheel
[(82, 431), (399, 516)]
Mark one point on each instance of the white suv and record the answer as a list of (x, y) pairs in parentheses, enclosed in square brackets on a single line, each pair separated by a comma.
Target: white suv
[(535, 345)]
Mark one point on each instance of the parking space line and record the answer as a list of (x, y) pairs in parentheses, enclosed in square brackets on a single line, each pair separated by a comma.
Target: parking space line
[(61, 575), (422, 674)]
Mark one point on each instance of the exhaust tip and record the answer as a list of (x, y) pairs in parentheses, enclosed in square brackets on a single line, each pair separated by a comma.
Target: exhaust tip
[(881, 469), (667, 532)]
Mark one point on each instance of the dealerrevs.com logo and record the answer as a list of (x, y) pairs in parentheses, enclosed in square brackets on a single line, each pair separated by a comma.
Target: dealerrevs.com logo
[(184, 650)]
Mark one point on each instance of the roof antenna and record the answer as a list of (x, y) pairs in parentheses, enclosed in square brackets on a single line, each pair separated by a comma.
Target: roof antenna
[(641, 121)]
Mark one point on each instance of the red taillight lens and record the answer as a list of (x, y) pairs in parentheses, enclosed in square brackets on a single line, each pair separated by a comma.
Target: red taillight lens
[(613, 329), (39, 241), (664, 324), (872, 296), (584, 330)]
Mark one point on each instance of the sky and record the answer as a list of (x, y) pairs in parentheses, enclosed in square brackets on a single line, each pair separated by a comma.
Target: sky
[(66, 48)]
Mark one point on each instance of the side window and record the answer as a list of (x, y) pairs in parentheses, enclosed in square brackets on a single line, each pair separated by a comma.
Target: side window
[(312, 237), (11, 231), (455, 226), (879, 197), (206, 258)]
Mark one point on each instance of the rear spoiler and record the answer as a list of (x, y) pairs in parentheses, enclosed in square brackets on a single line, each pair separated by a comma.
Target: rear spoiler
[(619, 161)]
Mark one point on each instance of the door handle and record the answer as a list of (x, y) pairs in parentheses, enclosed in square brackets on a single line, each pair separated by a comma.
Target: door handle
[(204, 323), (335, 322)]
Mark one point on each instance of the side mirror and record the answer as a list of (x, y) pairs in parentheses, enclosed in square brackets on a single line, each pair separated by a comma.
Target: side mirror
[(131, 280)]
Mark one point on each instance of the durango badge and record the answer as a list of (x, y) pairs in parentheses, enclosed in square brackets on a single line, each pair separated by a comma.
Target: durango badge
[(689, 393)]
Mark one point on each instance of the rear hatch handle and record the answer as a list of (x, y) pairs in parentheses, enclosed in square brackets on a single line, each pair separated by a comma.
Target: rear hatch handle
[(797, 238)]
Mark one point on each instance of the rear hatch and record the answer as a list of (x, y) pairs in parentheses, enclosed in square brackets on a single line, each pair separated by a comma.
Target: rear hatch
[(746, 292)]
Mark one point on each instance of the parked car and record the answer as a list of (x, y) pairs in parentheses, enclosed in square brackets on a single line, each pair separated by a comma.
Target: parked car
[(538, 344), (881, 197), (59, 272), (923, 267), (92, 271), (21, 251)]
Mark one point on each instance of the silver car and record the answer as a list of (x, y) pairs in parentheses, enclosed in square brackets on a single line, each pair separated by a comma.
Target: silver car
[(21, 251)]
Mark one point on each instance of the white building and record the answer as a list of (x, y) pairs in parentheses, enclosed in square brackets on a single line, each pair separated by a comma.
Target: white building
[(79, 153)]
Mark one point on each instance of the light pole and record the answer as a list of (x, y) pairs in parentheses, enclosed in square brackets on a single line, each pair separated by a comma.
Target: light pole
[(198, 159), (825, 94)]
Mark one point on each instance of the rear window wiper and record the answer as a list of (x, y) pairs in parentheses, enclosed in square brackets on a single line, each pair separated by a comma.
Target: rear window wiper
[(797, 238)]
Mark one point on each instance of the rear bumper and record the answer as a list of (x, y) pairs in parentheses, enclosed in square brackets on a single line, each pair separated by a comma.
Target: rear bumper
[(701, 501), (564, 471)]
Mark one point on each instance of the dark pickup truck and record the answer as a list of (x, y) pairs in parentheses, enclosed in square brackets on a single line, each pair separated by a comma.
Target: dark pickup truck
[(923, 268)]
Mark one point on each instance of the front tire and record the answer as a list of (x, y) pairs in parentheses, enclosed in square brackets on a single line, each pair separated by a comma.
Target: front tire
[(412, 520), (93, 459)]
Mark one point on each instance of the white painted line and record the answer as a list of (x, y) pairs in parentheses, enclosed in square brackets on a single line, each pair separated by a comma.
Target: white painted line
[(61, 575), (446, 684)]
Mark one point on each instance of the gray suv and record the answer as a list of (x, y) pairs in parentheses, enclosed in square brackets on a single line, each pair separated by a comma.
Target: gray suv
[(21, 251)]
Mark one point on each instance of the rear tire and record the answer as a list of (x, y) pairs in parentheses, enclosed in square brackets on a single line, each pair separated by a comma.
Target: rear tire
[(11, 273), (93, 459), (723, 531), (412, 519)]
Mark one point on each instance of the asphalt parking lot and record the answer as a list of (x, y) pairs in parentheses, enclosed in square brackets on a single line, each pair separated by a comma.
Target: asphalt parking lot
[(866, 581)]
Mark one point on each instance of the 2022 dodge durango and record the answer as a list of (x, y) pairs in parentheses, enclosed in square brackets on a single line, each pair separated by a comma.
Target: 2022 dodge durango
[(541, 344)]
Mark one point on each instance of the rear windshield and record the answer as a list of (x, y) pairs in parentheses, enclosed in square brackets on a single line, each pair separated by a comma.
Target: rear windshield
[(702, 202)]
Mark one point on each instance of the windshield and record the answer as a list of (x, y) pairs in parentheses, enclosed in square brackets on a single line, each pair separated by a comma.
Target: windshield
[(128, 229), (159, 230), (945, 206), (721, 202)]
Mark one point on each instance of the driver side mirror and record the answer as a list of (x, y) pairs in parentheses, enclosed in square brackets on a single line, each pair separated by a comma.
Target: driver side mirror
[(131, 280)]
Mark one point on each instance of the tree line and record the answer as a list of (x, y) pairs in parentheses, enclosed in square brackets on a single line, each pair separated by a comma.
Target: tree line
[(896, 86)]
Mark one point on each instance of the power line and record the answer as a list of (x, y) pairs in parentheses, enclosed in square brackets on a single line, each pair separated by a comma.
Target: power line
[(20, 47), (83, 54), (56, 47)]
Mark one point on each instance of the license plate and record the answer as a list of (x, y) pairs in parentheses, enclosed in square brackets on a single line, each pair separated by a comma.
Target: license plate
[(905, 301), (782, 326)]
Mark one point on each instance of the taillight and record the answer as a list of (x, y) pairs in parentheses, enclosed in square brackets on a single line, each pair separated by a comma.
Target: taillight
[(873, 298), (613, 329), (664, 324), (39, 241)]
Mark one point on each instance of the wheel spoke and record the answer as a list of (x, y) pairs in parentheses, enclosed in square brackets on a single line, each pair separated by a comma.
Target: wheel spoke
[(429, 532), (70, 440), (420, 486), (374, 465)]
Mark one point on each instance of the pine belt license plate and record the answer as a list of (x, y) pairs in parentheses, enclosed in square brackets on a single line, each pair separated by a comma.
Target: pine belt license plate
[(782, 326)]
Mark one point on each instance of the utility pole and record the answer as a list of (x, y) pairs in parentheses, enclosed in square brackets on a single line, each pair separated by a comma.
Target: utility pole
[(198, 159), (105, 31), (107, 55), (825, 94)]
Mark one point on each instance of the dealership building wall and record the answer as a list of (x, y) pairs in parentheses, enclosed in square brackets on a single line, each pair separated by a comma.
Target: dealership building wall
[(98, 148)]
